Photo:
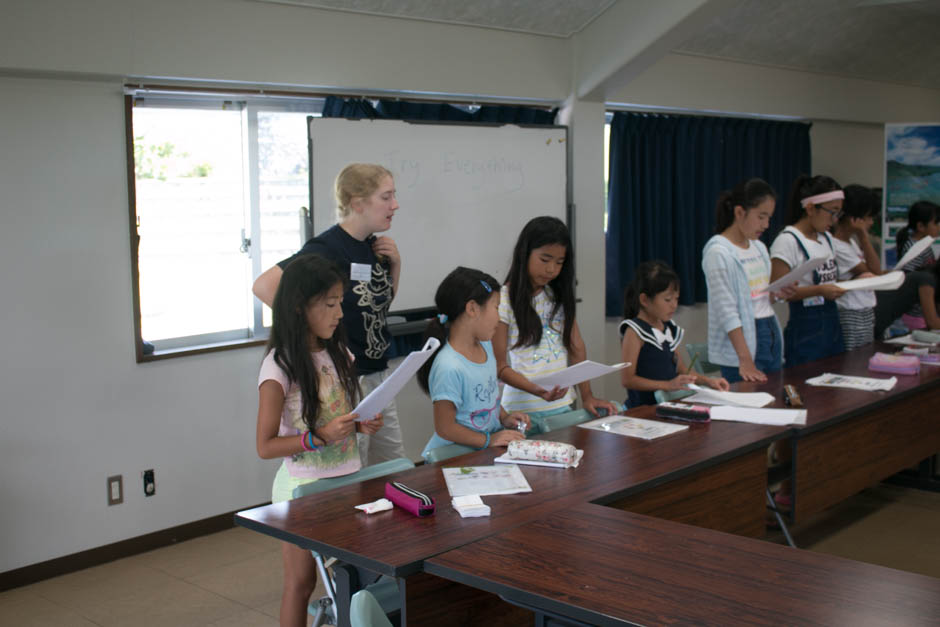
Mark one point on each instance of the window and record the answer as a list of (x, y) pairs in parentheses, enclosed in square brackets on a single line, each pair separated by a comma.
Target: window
[(218, 194)]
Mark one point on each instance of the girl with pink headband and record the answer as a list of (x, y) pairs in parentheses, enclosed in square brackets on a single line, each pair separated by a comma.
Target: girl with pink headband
[(813, 330)]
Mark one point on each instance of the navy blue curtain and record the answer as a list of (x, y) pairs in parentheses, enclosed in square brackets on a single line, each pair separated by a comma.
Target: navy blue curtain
[(665, 175), (336, 107)]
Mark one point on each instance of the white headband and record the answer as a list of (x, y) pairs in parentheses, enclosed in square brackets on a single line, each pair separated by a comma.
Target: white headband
[(819, 199)]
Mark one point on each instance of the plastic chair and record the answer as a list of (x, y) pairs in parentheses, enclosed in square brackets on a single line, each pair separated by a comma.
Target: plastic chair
[(329, 609), (662, 396), (447, 451), (365, 611), (567, 419), (699, 354)]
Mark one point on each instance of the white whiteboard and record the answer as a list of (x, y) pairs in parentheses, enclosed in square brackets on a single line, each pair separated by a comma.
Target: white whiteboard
[(465, 192)]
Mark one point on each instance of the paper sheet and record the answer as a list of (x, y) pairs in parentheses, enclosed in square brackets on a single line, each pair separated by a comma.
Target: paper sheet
[(776, 417), (796, 274), (633, 427), (485, 480), (912, 252), (716, 397), (506, 459), (381, 396), (908, 340), (868, 384), (890, 281), (578, 373)]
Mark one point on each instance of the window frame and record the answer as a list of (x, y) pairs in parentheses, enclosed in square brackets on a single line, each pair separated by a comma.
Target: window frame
[(255, 333)]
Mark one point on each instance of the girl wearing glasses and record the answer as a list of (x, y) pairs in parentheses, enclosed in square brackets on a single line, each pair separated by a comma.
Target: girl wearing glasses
[(813, 330)]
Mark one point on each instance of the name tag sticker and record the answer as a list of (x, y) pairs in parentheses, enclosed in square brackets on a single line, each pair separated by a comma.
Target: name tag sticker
[(813, 301), (360, 272)]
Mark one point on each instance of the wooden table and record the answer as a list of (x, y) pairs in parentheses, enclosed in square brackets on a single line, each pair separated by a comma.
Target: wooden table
[(713, 475), (607, 567), (854, 439)]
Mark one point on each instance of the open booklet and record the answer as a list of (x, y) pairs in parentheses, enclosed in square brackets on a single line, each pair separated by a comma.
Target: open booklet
[(633, 427), (578, 373), (381, 396), (485, 480), (765, 416), (889, 281), (797, 273), (716, 397)]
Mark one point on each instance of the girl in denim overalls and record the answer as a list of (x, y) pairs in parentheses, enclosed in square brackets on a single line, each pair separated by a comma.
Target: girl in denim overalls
[(813, 330)]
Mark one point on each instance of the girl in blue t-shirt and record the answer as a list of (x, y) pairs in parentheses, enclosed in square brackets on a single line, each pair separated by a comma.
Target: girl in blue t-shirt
[(651, 339), (461, 376)]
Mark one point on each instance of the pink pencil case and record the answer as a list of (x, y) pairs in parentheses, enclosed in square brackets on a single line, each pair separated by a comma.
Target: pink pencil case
[(417, 503), (895, 364)]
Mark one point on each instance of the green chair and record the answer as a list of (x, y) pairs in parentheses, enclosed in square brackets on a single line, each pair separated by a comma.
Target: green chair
[(365, 611), (328, 609), (560, 421), (447, 451), (699, 354), (662, 396)]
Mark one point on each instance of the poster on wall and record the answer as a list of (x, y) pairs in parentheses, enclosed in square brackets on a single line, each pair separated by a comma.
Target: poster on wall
[(912, 173)]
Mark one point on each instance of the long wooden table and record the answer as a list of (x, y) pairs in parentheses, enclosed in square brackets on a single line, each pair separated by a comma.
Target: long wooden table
[(600, 566), (713, 475), (854, 439)]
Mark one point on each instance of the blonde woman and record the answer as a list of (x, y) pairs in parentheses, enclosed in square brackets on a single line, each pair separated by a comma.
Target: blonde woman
[(366, 203)]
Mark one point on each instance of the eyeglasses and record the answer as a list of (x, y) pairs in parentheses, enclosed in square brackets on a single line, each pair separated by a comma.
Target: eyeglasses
[(835, 214)]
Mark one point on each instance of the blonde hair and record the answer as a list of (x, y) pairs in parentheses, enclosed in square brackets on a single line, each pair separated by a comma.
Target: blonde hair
[(357, 180)]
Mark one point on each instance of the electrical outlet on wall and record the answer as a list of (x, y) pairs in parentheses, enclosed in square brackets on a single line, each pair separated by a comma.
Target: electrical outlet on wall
[(115, 490), (150, 484)]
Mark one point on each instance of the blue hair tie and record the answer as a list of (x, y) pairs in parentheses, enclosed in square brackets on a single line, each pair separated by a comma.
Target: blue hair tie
[(486, 285), (442, 318)]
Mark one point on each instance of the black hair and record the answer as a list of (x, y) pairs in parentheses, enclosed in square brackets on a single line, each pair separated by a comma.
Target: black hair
[(747, 194), (538, 232), (650, 278), (860, 202), (921, 212), (803, 187), (308, 277), (456, 290)]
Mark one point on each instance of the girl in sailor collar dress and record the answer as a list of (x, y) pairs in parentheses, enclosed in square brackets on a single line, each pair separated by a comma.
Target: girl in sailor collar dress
[(650, 338)]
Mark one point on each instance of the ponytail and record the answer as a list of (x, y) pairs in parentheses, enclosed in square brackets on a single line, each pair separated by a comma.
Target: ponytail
[(921, 212), (456, 290), (747, 194)]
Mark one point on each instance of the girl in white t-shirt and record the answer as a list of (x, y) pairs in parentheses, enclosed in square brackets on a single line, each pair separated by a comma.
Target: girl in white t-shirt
[(856, 259), (813, 329), (744, 336), (306, 392), (537, 329)]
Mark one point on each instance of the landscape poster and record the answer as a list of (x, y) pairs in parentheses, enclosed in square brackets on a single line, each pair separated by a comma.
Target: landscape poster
[(912, 173)]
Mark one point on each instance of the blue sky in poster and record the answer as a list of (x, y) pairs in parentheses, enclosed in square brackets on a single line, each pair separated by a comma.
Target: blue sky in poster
[(913, 145)]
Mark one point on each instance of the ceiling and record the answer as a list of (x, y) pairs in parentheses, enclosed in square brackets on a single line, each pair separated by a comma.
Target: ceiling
[(895, 41)]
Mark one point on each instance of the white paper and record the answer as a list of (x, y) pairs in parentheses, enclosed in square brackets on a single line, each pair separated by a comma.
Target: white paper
[(776, 417), (506, 459), (578, 373), (796, 274), (868, 384), (381, 396), (889, 281), (485, 480), (633, 427), (919, 246), (470, 506), (908, 340), (716, 397)]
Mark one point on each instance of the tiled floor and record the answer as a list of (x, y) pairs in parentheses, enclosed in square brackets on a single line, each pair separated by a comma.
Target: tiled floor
[(233, 578)]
